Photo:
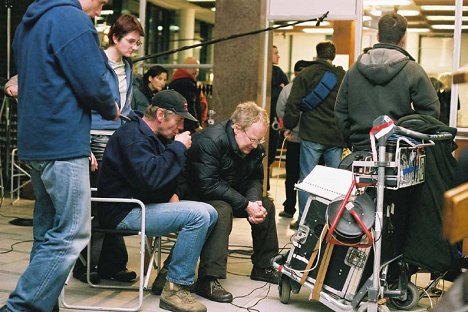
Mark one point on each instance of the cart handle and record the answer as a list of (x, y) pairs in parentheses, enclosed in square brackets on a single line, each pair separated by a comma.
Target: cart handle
[(423, 136)]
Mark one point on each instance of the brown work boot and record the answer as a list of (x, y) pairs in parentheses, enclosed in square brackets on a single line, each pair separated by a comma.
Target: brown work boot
[(177, 298)]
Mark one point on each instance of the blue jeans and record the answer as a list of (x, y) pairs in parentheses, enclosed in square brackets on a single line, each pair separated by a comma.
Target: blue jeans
[(61, 229), (309, 158), (192, 220)]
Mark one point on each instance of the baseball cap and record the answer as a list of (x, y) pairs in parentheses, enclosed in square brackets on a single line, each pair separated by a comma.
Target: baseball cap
[(173, 101)]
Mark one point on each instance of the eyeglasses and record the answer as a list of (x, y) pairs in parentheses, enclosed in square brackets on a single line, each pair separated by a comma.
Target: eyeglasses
[(254, 140), (134, 42)]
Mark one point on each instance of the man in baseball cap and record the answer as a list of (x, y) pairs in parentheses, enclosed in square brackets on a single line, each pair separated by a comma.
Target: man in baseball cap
[(143, 160), (173, 101)]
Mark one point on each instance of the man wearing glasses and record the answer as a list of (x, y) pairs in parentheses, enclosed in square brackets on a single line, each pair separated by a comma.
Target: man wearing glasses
[(225, 169)]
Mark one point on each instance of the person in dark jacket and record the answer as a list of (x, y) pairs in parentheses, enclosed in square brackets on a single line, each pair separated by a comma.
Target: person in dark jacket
[(384, 81), (184, 81), (319, 134), (142, 160), (225, 170), (144, 88), (278, 81), (56, 92)]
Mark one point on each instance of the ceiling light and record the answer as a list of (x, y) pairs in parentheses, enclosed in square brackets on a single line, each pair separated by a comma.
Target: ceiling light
[(418, 30), (107, 12), (444, 18), (387, 2), (408, 12), (324, 23), (326, 31), (366, 18), (442, 26), (441, 8), (284, 27)]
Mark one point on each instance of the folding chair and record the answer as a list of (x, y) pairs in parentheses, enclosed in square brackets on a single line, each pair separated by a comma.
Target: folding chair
[(18, 172), (154, 249)]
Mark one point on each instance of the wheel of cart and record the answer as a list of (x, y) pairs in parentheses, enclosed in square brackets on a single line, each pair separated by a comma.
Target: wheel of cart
[(408, 300), (284, 288)]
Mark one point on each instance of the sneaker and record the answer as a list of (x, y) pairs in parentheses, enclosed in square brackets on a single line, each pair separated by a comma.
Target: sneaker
[(294, 225), (121, 276), (177, 298), (285, 214), (269, 275), (211, 289)]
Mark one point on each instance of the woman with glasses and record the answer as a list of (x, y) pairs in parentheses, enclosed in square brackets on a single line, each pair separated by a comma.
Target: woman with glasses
[(124, 38)]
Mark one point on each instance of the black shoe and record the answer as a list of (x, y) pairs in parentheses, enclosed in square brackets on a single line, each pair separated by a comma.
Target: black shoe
[(4, 309), (56, 308), (121, 276), (211, 289), (294, 225), (285, 214), (159, 282), (269, 275), (93, 277)]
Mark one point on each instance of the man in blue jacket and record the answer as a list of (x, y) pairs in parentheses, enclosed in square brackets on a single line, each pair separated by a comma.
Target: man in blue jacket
[(143, 159), (60, 79)]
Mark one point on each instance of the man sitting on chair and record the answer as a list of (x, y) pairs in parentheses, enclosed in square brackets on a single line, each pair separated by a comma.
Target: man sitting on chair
[(142, 160)]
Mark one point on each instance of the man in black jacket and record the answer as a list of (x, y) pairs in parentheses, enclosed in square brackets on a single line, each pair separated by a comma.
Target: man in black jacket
[(225, 170)]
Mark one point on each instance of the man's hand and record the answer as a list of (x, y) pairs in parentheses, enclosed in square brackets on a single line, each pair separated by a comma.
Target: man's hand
[(118, 112), (184, 138), (93, 164), (256, 212), (174, 199), (12, 91)]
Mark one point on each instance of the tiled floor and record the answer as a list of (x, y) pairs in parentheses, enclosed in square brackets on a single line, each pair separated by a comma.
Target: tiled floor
[(249, 295)]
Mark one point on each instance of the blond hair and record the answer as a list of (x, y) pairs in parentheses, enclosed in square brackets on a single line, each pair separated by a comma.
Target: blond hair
[(248, 113)]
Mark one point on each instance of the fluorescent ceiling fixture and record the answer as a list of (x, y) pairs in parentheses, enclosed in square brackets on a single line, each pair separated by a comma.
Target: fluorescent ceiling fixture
[(441, 8), (173, 28), (201, 0), (327, 31), (107, 12), (213, 9), (283, 28), (387, 2), (408, 12), (160, 28), (418, 30), (375, 12), (444, 18), (366, 18), (448, 26), (324, 23)]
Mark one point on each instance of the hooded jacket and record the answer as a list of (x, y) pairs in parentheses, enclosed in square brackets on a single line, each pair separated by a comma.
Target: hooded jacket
[(317, 125), (384, 81), (61, 75)]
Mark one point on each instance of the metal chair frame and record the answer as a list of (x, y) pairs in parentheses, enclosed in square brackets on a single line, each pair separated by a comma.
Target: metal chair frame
[(154, 250)]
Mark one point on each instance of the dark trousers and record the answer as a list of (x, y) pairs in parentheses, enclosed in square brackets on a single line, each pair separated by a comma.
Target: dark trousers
[(293, 170), (109, 253), (213, 258)]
